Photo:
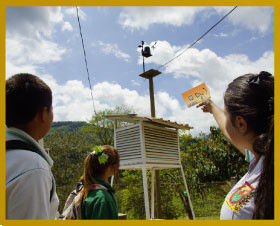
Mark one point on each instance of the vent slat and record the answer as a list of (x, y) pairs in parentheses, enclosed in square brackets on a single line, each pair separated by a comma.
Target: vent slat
[(128, 135), (163, 158), (159, 152), (129, 147), (131, 129), (124, 151), (124, 144), (152, 160), (160, 136), (159, 132), (131, 157), (128, 139), (170, 144)]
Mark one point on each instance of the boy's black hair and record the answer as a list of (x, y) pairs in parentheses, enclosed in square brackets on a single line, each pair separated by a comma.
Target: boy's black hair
[(26, 95)]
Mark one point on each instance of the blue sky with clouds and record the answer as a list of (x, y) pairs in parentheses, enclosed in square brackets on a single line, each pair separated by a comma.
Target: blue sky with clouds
[(45, 41)]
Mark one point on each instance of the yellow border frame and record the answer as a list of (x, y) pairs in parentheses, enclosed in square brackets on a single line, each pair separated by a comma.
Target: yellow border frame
[(4, 3)]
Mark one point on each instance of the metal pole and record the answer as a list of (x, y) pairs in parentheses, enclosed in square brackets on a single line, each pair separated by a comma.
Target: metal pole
[(188, 193), (146, 196), (153, 194), (143, 64)]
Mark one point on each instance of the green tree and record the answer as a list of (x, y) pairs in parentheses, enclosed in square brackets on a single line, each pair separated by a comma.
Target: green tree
[(208, 159), (68, 151), (130, 195), (211, 158), (103, 129)]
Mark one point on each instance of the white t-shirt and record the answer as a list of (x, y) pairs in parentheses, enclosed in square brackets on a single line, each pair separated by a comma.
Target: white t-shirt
[(239, 202)]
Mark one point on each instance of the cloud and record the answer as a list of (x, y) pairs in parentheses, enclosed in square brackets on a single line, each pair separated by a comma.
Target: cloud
[(29, 33), (23, 50), (252, 18), (135, 83), (206, 66), (162, 52), (221, 35), (73, 12), (112, 49), (12, 69), (72, 101), (167, 107), (143, 17), (29, 21), (67, 26)]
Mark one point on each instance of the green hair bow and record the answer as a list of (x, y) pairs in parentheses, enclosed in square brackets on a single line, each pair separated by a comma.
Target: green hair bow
[(102, 157)]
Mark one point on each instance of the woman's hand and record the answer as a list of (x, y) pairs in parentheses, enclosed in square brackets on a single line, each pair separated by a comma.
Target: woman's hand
[(206, 105)]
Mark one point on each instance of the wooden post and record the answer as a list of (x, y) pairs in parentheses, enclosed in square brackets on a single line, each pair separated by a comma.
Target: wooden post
[(152, 99), (149, 75), (157, 181)]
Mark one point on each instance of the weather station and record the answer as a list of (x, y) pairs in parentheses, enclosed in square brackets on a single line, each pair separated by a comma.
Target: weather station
[(149, 143)]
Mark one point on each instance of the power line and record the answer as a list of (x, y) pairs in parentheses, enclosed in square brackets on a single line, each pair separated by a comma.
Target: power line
[(85, 58), (198, 38)]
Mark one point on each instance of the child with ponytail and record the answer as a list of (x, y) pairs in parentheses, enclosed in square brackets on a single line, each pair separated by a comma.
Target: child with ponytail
[(248, 123), (98, 201)]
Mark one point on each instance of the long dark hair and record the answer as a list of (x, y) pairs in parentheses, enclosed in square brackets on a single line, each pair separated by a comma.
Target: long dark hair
[(252, 97), (264, 202), (93, 169)]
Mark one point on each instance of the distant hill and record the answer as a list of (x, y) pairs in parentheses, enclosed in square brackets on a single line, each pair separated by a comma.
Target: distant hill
[(66, 126)]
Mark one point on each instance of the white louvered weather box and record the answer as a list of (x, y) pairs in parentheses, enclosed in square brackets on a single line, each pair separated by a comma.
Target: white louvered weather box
[(149, 144), (145, 140)]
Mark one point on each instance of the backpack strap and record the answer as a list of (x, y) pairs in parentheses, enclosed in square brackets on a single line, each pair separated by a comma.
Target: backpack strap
[(21, 145), (18, 144), (79, 187), (98, 186)]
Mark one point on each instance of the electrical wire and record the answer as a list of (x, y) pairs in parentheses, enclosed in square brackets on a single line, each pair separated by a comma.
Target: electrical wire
[(85, 56), (198, 38)]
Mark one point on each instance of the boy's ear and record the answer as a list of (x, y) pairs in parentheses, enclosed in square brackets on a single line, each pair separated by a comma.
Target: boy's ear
[(241, 124), (42, 115)]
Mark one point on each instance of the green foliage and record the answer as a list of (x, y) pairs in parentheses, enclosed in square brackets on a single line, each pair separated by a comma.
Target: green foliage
[(101, 128), (70, 142), (68, 150), (208, 201), (67, 126), (211, 158), (130, 195), (205, 159)]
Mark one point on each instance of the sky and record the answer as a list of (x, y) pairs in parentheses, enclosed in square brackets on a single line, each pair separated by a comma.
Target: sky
[(46, 41)]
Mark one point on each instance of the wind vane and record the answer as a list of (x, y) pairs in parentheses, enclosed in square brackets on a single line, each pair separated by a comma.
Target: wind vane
[(146, 52)]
